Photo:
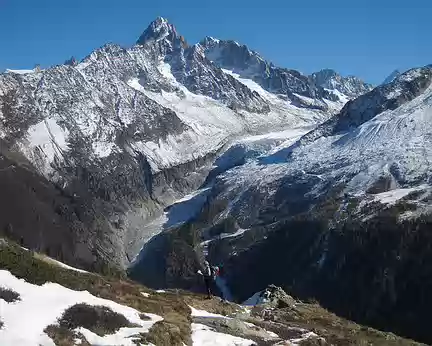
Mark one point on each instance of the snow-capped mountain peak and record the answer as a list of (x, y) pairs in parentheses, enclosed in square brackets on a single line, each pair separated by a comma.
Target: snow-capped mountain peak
[(350, 86), (305, 91), (231, 55), (325, 74), (392, 76), (158, 30), (209, 41)]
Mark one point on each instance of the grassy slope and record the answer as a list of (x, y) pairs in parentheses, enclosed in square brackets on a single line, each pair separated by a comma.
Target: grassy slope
[(23, 264), (173, 305)]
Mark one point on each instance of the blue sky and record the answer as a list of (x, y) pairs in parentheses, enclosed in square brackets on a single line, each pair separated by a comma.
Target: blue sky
[(367, 38)]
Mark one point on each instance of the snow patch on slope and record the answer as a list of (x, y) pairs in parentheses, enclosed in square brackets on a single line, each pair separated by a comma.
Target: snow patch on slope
[(207, 119), (252, 85), (278, 103), (49, 137), (255, 299), (63, 265), (398, 140), (19, 71), (392, 196), (342, 97), (175, 215), (203, 313), (41, 306), (206, 336), (45, 140)]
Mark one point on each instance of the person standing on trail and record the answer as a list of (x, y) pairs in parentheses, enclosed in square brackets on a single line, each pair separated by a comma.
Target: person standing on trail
[(209, 274)]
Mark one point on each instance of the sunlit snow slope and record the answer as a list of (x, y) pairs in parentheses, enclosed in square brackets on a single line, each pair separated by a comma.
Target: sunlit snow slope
[(395, 144)]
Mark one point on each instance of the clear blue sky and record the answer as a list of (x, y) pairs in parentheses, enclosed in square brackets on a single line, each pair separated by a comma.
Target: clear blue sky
[(367, 38)]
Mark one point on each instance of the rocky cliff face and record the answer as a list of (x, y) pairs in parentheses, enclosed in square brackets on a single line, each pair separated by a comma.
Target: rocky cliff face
[(190, 68)]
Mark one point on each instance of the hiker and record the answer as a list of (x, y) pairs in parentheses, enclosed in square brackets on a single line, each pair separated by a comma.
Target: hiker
[(265, 295), (209, 274)]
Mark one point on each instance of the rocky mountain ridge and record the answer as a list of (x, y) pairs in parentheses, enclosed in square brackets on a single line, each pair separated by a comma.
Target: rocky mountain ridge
[(350, 86), (391, 77), (290, 84), (127, 131)]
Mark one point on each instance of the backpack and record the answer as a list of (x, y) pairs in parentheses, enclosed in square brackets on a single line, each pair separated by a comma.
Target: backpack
[(214, 272)]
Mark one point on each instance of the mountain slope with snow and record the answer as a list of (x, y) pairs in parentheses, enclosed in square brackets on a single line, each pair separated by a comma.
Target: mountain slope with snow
[(361, 147), (351, 86), (127, 131), (58, 305), (304, 91), (164, 152), (391, 77), (341, 214)]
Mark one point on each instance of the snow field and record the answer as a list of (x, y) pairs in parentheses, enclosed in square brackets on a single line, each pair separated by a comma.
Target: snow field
[(41, 306), (206, 336)]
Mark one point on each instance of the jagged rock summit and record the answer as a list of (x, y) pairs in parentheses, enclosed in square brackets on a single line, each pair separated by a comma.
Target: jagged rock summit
[(350, 86), (158, 30), (392, 76)]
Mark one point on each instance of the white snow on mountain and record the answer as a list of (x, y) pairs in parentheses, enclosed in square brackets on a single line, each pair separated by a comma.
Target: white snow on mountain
[(279, 104), (256, 299), (251, 147), (19, 71), (252, 85), (160, 103), (212, 123), (41, 306), (206, 336), (342, 97), (392, 196), (203, 313), (245, 149), (48, 138), (207, 118), (175, 215), (95, 100), (391, 77), (395, 142)]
